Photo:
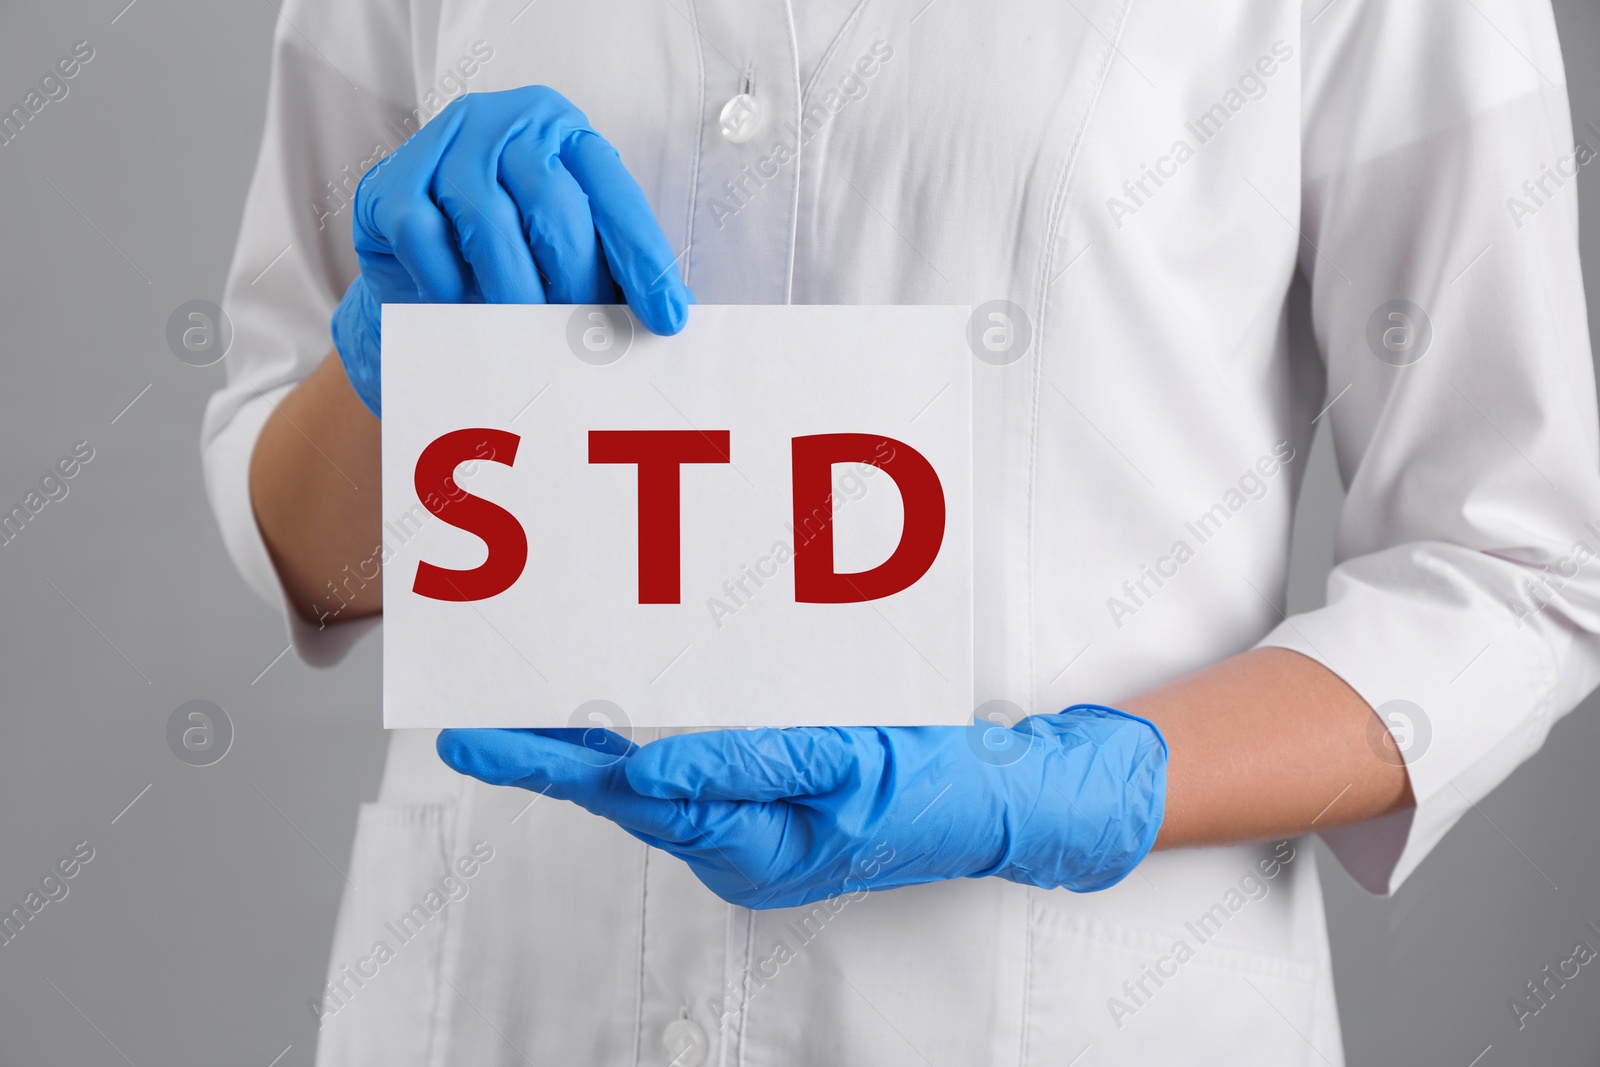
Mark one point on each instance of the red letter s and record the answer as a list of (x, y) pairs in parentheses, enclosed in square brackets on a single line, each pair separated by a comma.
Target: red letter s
[(498, 528)]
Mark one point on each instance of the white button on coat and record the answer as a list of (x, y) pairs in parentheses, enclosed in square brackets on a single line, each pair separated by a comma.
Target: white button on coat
[(685, 1043), (1139, 459), (741, 118)]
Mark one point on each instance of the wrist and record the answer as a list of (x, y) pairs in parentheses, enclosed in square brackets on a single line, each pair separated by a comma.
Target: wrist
[(1101, 799)]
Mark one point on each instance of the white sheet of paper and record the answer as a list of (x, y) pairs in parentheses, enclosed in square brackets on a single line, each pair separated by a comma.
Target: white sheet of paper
[(569, 642)]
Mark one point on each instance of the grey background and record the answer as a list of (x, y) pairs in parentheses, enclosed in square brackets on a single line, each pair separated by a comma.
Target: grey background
[(201, 927)]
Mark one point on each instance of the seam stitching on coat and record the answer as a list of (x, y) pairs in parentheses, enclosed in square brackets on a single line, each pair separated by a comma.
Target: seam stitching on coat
[(699, 139), (1027, 976), (1053, 220), (827, 56), (725, 1041), (449, 841), (744, 994), (794, 196), (638, 1018)]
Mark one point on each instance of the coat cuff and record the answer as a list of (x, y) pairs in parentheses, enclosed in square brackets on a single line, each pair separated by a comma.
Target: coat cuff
[(1465, 694), (227, 474)]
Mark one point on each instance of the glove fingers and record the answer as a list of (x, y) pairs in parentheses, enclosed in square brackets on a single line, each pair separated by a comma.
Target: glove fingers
[(395, 216), (712, 834), (637, 252), (488, 227), (387, 278), (557, 767), (600, 744), (425, 245), (557, 223), (746, 764)]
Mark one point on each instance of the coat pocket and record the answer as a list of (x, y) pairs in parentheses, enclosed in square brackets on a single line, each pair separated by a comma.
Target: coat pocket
[(381, 1004), (1138, 997)]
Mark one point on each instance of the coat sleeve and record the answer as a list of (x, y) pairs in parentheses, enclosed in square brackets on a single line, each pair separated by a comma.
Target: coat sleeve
[(341, 90), (1439, 211)]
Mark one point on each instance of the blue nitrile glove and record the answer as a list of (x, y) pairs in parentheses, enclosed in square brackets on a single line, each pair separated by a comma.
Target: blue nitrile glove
[(780, 818), (504, 198)]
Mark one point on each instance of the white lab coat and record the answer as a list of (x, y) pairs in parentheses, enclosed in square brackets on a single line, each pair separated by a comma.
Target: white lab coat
[(1144, 180)]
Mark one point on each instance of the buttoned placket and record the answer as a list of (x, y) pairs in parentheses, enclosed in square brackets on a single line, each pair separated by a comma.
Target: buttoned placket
[(747, 161), (693, 947)]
